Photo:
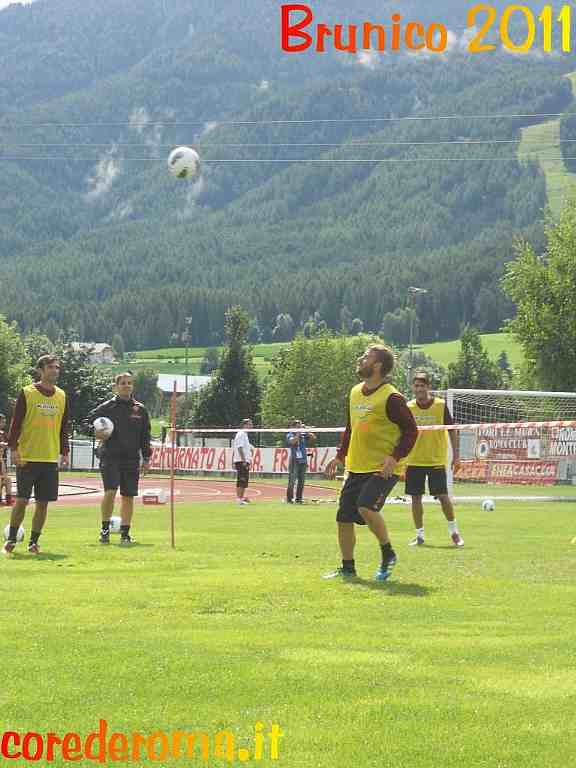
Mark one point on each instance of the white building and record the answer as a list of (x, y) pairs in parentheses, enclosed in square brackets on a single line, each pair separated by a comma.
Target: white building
[(195, 383), (99, 353)]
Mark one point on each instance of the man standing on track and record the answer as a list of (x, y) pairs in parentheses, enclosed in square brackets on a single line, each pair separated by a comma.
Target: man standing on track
[(242, 458), (38, 439), (297, 441), (120, 453), (380, 434), (429, 458)]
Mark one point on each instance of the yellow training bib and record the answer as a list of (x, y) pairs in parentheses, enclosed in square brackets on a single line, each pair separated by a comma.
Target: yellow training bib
[(431, 448), (40, 434)]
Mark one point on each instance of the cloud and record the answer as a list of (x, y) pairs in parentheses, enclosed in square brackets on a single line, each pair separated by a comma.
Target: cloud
[(192, 196), (369, 59), (107, 169), (139, 119)]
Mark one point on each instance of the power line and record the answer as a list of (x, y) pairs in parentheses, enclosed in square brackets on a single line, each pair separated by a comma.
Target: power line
[(341, 145), (317, 160), (219, 123)]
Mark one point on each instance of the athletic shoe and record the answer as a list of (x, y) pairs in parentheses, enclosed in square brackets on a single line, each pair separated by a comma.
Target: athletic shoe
[(33, 549), (104, 537), (299, 501), (8, 547), (126, 541), (340, 573), (417, 541), (383, 573), (457, 539)]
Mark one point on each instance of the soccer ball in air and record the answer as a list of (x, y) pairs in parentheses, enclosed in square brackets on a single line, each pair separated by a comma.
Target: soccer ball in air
[(19, 536), (105, 425), (184, 163), (115, 523), (488, 505)]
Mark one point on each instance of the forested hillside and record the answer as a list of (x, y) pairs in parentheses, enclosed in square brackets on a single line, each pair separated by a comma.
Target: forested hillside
[(95, 235)]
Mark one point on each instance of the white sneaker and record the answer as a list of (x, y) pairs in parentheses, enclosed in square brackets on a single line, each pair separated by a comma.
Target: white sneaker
[(457, 540)]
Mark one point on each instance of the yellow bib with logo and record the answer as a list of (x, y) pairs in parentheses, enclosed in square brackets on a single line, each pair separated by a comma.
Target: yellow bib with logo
[(373, 435), (40, 434), (431, 448)]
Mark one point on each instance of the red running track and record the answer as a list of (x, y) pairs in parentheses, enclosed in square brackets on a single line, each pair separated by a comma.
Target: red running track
[(87, 490)]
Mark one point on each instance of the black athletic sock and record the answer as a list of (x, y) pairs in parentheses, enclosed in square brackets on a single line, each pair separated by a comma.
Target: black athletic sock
[(34, 536), (349, 565), (124, 531), (13, 534), (106, 526), (387, 552)]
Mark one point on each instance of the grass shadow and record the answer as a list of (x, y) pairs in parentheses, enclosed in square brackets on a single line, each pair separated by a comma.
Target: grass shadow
[(394, 587)]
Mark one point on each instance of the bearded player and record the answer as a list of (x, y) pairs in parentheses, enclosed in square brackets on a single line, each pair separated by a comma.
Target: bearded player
[(429, 458), (381, 432)]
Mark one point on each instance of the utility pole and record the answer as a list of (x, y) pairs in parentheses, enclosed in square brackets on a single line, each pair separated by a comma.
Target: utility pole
[(413, 292), (187, 337)]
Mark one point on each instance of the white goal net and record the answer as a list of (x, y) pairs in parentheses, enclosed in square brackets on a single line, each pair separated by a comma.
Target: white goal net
[(515, 437)]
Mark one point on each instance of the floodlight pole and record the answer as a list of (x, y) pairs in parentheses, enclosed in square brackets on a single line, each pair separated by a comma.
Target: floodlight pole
[(188, 321), (412, 293)]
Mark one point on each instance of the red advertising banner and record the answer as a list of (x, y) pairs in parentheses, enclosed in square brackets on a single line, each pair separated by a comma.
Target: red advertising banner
[(535, 472), (210, 459)]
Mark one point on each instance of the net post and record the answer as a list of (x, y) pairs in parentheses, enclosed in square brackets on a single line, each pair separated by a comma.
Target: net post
[(449, 471), (173, 441)]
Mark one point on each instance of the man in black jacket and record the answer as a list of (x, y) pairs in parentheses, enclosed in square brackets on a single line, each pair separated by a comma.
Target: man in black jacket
[(120, 453)]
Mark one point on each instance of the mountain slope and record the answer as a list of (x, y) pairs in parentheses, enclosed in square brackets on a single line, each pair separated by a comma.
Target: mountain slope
[(97, 236)]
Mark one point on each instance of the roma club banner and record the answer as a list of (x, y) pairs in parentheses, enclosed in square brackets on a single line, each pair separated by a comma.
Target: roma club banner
[(529, 455), (214, 459)]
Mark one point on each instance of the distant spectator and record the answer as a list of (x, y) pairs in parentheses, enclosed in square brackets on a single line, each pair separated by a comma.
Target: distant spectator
[(242, 458), (297, 441)]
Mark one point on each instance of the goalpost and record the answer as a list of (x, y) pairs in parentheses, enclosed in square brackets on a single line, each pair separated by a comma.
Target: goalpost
[(518, 437)]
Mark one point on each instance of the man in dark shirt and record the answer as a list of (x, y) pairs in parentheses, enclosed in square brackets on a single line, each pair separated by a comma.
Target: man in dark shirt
[(120, 454)]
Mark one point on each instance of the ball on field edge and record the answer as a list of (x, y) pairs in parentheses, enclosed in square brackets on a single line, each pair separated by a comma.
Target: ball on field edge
[(20, 535), (488, 505)]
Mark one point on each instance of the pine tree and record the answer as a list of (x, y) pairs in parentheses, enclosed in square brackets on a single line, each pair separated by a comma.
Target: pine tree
[(234, 393)]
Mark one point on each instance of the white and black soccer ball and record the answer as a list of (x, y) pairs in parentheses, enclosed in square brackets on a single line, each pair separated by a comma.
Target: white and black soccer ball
[(184, 163), (20, 535), (105, 425), (488, 505), (115, 523)]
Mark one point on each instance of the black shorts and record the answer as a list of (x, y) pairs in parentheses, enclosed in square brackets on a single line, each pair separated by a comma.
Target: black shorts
[(363, 490), (117, 474), (416, 481), (40, 476), (242, 474)]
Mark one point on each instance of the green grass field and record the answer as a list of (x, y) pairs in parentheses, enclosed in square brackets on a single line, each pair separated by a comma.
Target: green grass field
[(466, 658), (173, 360), (446, 352), (541, 142)]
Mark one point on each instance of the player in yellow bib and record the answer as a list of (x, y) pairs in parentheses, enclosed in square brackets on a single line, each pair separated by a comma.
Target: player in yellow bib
[(38, 439), (380, 434), (429, 458)]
